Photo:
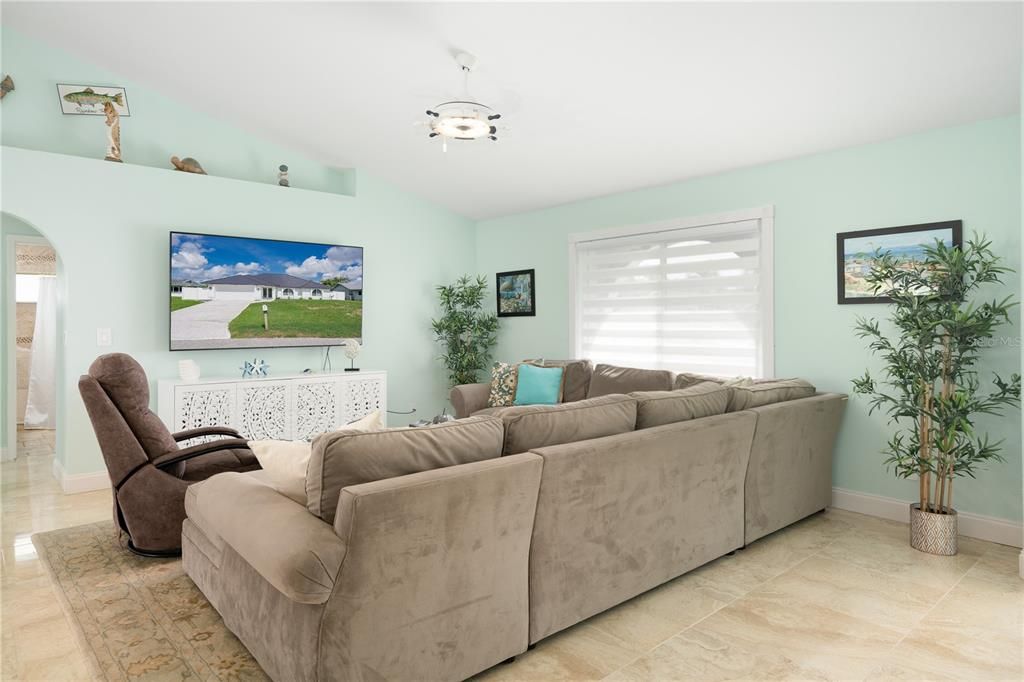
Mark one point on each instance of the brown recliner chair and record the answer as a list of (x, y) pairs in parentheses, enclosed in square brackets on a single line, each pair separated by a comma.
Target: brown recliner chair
[(148, 470)]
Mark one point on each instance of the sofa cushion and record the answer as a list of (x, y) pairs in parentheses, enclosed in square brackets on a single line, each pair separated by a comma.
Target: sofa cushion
[(208, 526), (535, 426), (576, 381), (284, 462), (654, 408), (609, 379), (688, 379), (539, 385), (341, 458), (745, 397), (504, 379)]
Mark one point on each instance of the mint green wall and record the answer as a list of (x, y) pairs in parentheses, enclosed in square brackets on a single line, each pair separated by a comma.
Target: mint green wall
[(159, 126), (970, 172), (109, 224)]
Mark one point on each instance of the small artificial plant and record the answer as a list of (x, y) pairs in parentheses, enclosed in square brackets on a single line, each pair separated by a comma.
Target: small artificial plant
[(931, 386), (466, 332)]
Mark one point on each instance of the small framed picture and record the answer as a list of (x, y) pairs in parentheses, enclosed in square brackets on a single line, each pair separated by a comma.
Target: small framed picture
[(516, 293), (855, 254), (88, 100)]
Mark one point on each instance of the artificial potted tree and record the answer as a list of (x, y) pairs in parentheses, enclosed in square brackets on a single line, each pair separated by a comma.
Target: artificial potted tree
[(930, 387), (465, 331)]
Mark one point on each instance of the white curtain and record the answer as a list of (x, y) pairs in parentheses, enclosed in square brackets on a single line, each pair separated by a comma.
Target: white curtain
[(40, 408)]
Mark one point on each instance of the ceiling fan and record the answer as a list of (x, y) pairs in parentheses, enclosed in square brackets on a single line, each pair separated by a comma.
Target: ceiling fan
[(463, 118)]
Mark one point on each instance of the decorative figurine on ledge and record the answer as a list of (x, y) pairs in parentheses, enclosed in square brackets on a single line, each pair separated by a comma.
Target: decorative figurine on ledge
[(352, 349), (282, 177), (188, 165), (6, 85), (113, 133)]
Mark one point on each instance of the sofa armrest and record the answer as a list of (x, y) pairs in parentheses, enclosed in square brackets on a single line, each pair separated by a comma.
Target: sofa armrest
[(438, 560), (291, 549), (468, 398)]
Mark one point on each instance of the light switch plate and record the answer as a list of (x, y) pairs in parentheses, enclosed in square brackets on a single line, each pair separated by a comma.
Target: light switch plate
[(104, 337)]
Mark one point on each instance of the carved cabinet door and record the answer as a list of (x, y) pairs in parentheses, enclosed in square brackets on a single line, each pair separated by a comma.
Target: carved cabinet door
[(263, 412), (359, 397), (203, 405), (316, 407)]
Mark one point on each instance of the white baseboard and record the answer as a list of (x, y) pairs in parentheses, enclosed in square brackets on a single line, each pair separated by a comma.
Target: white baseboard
[(79, 483), (990, 528)]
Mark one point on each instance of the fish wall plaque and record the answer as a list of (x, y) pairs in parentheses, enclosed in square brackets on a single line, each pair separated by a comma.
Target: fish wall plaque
[(89, 99)]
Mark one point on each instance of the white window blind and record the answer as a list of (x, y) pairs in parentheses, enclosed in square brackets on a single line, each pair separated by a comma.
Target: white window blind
[(689, 299)]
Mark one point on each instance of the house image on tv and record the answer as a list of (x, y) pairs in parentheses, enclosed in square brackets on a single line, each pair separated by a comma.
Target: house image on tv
[(268, 287)]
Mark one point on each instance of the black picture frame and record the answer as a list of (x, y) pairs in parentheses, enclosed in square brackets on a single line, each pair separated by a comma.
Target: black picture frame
[(955, 226), (532, 310)]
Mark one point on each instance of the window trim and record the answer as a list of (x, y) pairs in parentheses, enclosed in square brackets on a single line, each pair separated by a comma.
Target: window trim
[(765, 215)]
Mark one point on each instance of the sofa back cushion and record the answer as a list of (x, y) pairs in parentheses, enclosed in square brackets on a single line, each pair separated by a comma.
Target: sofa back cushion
[(609, 379), (340, 459), (688, 379), (536, 426), (654, 408), (757, 394), (576, 381)]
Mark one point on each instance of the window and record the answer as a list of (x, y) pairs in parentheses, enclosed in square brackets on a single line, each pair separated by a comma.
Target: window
[(26, 288), (288, 293), (317, 293), (691, 295)]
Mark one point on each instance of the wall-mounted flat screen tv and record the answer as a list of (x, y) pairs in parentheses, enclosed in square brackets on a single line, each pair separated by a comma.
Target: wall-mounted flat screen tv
[(240, 292)]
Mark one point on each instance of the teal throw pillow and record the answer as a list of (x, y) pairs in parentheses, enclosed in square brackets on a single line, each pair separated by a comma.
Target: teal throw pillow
[(538, 385)]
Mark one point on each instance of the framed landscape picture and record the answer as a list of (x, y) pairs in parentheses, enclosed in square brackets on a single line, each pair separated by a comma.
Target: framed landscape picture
[(855, 253), (517, 296)]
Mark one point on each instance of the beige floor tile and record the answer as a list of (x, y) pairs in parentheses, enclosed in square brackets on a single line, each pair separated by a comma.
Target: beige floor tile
[(884, 546), (999, 564), (963, 654), (700, 655), (822, 618), (903, 673), (580, 653)]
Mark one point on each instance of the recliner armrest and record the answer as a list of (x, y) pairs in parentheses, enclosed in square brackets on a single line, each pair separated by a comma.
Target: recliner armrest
[(164, 461), (205, 431)]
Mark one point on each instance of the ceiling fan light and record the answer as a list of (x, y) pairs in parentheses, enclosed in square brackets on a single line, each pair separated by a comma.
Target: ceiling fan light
[(461, 127)]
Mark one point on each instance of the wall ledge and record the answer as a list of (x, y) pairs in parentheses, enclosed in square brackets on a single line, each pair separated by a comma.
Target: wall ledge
[(347, 177)]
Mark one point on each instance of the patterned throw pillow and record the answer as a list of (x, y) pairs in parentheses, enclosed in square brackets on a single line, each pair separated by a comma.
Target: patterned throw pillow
[(504, 377)]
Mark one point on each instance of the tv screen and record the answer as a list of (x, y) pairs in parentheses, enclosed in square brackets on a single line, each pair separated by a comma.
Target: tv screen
[(238, 292)]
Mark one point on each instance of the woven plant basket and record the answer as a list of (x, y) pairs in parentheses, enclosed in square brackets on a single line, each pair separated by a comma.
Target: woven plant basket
[(933, 533)]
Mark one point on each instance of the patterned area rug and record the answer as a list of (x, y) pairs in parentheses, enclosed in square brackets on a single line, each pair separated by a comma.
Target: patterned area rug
[(139, 619)]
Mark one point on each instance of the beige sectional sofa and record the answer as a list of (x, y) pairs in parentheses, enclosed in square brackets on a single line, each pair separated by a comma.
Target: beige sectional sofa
[(558, 513)]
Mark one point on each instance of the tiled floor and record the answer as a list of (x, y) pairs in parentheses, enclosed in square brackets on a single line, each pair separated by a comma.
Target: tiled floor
[(38, 643), (838, 596)]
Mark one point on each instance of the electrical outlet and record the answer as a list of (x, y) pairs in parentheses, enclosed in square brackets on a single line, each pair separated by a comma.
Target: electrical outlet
[(104, 337)]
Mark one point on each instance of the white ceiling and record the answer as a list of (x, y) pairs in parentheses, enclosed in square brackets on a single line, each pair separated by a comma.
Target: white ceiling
[(600, 97)]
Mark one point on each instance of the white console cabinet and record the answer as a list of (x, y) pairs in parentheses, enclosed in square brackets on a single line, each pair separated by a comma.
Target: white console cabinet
[(294, 407)]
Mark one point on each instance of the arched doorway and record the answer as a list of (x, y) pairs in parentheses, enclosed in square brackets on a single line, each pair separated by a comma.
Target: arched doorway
[(30, 340)]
